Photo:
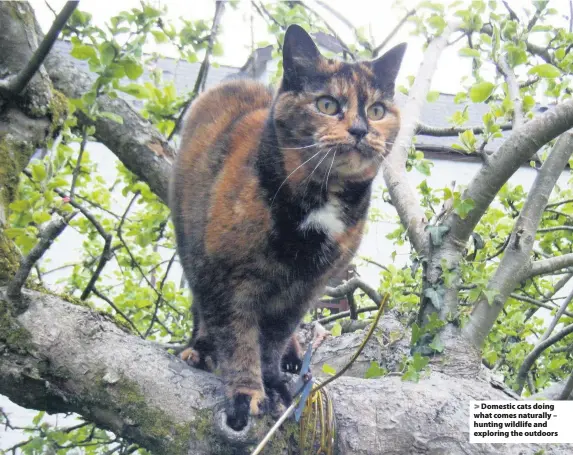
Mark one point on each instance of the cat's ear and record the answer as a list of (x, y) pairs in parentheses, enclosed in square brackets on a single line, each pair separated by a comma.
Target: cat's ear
[(387, 66), (300, 54)]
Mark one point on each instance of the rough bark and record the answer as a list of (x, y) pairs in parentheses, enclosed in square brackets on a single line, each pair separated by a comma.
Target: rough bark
[(27, 118), (67, 358)]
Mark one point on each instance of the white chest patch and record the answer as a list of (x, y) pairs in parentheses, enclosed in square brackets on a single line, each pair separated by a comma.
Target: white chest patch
[(327, 218)]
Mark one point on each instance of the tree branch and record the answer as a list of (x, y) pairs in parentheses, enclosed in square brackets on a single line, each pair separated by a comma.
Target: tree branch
[(502, 164), (557, 316), (51, 231), (392, 33), (394, 166), (350, 286), (516, 258), (535, 353), (436, 131), (72, 359), (513, 90), (17, 83), (137, 144), (550, 265)]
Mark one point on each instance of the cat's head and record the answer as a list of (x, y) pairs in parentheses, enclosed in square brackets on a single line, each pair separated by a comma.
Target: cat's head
[(338, 112)]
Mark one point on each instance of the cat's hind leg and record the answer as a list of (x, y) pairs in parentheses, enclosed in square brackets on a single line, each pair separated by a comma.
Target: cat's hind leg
[(200, 350)]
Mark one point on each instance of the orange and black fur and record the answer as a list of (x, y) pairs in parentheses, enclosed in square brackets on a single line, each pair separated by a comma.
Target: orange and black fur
[(269, 196)]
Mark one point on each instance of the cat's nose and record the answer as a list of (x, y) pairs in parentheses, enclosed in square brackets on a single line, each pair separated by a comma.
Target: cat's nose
[(358, 131)]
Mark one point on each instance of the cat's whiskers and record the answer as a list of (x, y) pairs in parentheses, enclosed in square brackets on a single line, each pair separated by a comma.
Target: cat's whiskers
[(315, 168), (288, 176), (328, 174)]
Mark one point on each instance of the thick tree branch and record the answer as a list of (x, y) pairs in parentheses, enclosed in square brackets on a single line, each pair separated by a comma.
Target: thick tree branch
[(394, 167), (550, 265), (16, 84), (519, 147), (516, 258), (138, 145), (70, 359)]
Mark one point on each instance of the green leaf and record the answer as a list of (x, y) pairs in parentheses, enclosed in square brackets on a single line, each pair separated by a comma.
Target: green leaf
[(41, 217), (38, 172), (437, 233), (419, 362), (136, 90), (374, 371), (437, 344), (326, 368), (545, 70), (432, 96), (111, 116), (132, 69), (19, 206), (83, 52), (160, 37), (469, 52), (481, 91), (463, 206), (107, 51), (217, 49), (336, 329)]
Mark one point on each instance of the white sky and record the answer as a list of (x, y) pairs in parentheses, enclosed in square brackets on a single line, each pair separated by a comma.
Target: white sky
[(376, 15)]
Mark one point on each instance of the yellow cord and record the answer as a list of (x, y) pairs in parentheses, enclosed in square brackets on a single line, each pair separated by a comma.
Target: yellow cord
[(319, 405)]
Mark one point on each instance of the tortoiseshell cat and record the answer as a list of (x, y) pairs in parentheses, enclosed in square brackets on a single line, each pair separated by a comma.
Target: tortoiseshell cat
[(269, 196)]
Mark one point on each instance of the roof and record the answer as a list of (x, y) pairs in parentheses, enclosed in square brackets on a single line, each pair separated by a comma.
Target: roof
[(436, 113)]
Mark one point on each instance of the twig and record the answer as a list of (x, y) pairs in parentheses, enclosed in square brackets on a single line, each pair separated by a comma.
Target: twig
[(570, 16), (47, 236), (436, 131), (78, 167), (203, 69), (556, 228), (106, 252), (513, 89), (159, 297), (350, 286), (345, 314), (538, 303), (392, 33), (558, 203), (345, 21), (557, 316), (16, 84), (345, 48), (535, 353), (116, 309)]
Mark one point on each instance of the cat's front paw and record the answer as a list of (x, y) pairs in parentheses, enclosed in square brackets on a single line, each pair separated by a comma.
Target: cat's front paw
[(243, 403), (200, 356), (277, 390), (291, 362)]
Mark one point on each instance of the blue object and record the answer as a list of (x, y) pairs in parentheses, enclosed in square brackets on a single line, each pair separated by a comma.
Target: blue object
[(303, 386)]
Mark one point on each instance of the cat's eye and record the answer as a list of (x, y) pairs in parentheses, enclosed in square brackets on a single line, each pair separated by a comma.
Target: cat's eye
[(328, 105), (376, 112)]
